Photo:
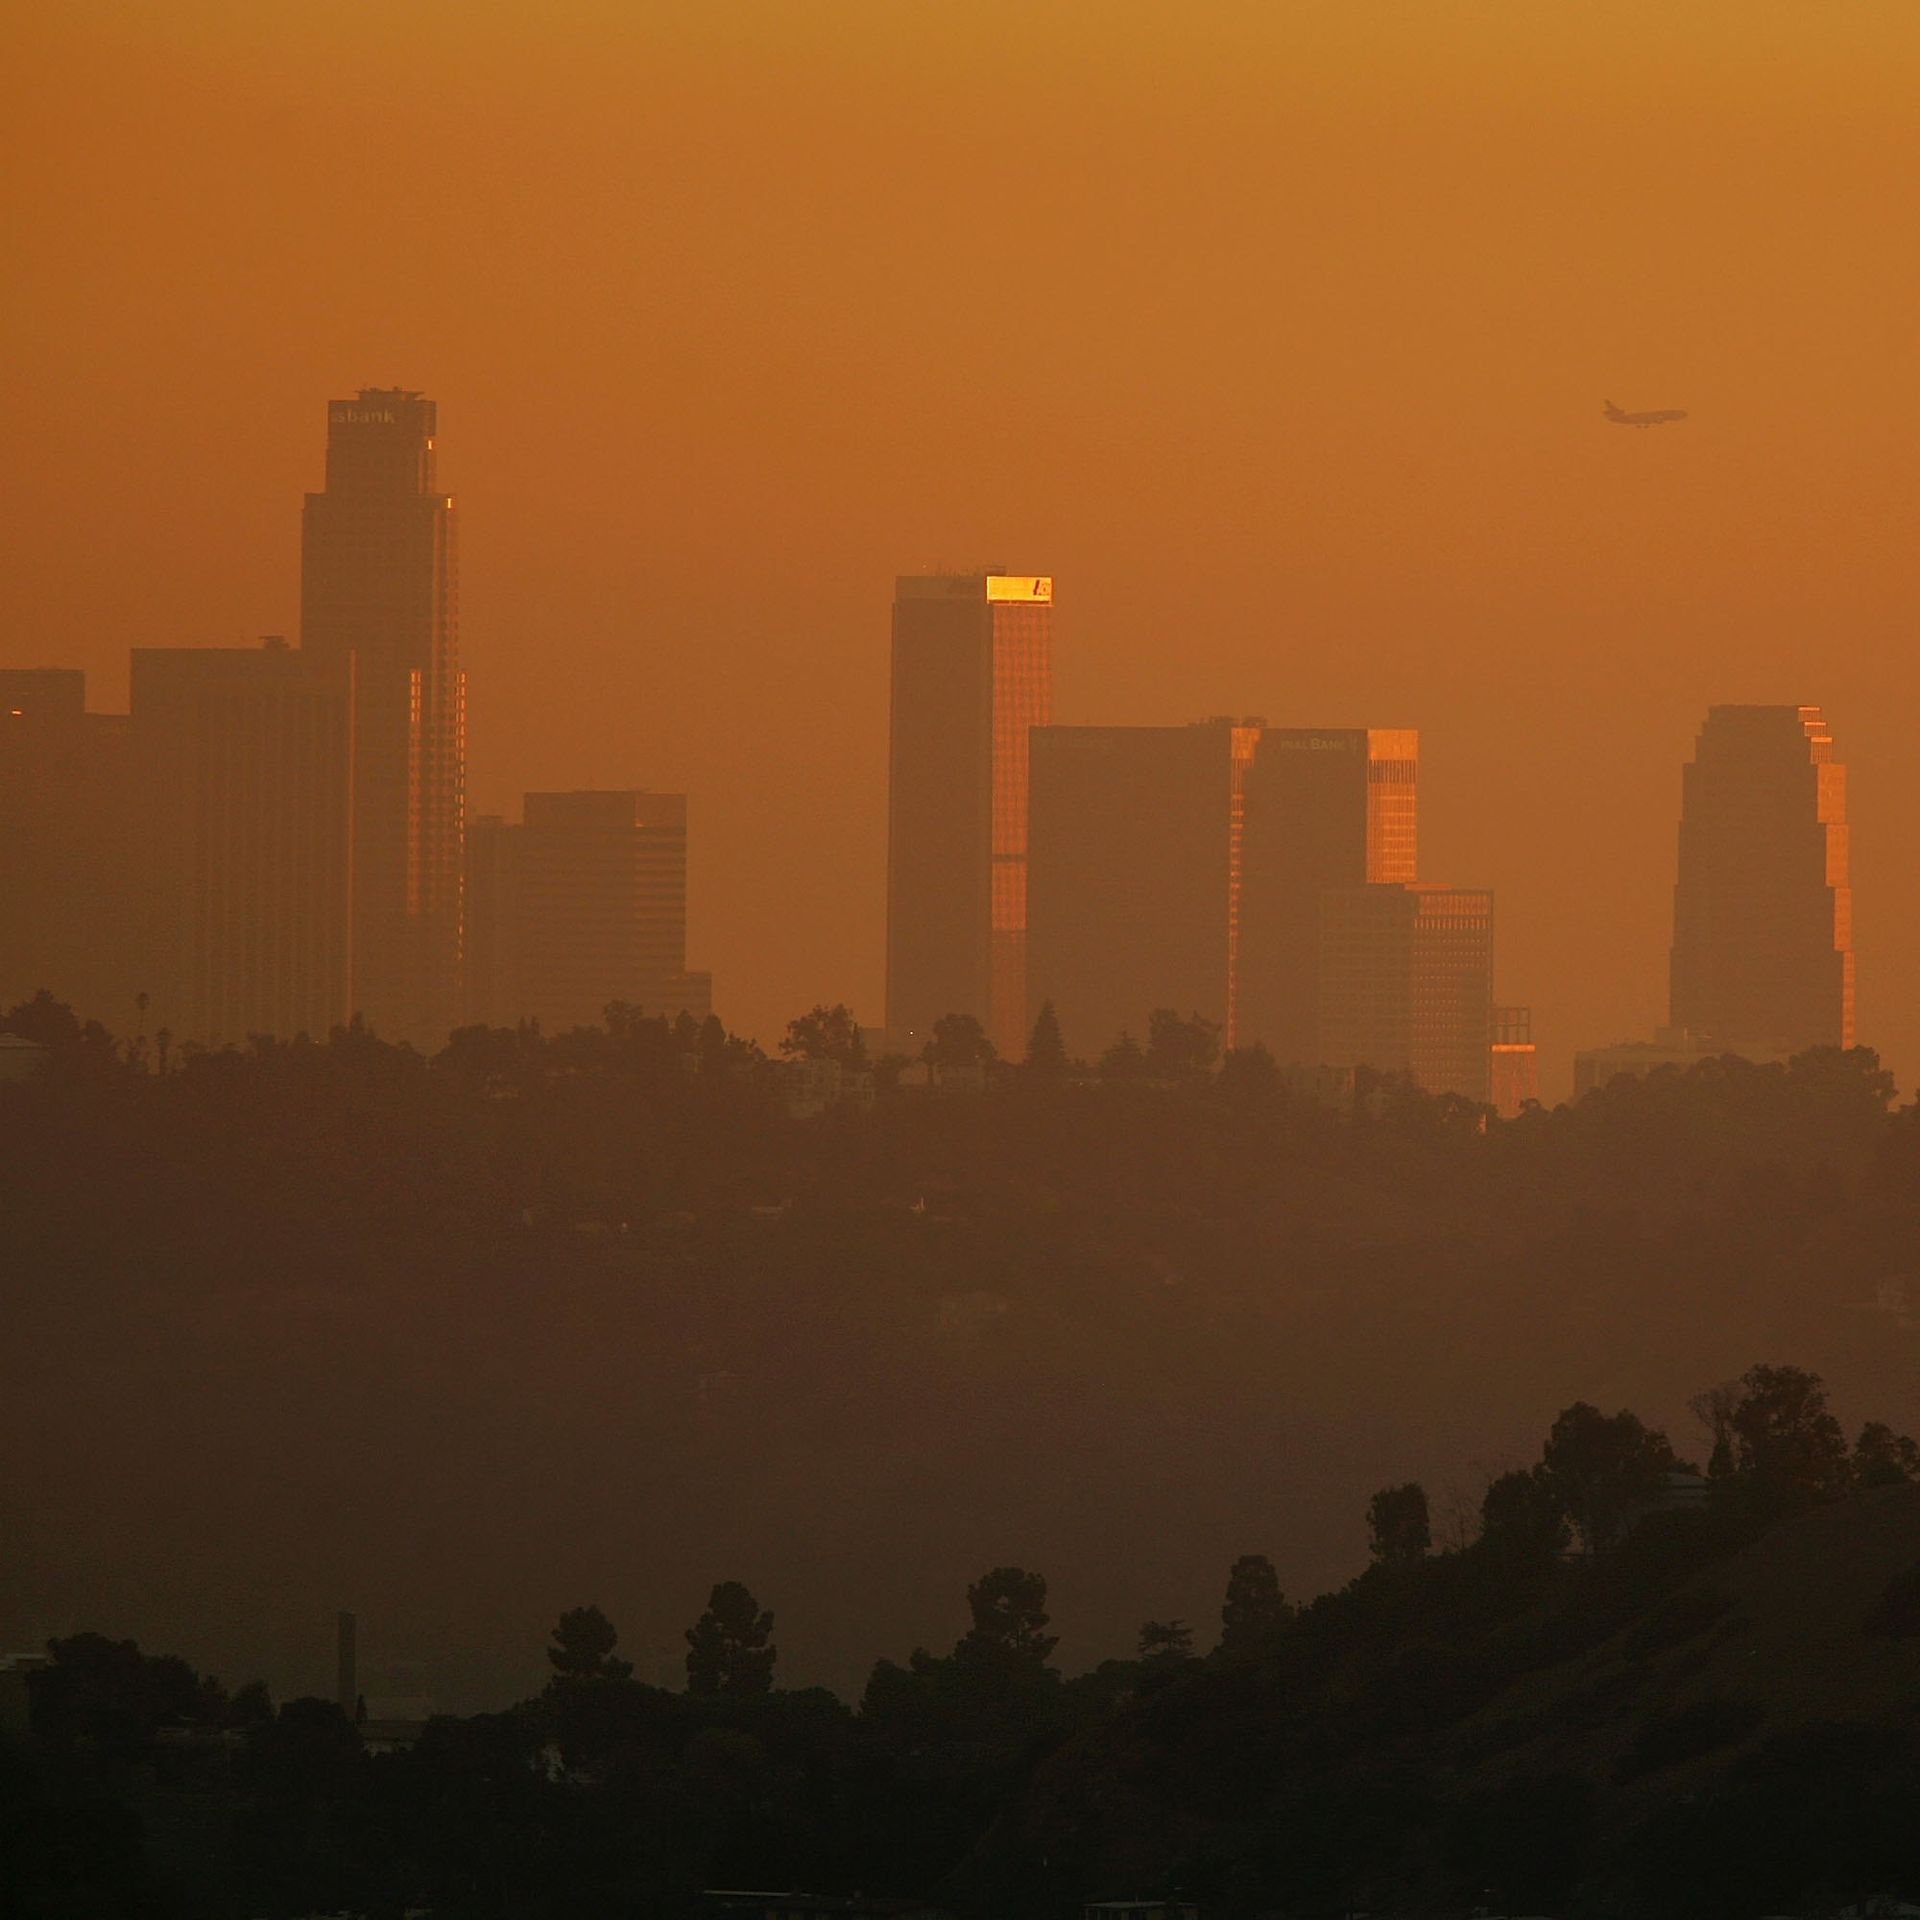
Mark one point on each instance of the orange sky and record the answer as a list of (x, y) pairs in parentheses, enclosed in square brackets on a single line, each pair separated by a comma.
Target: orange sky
[(1277, 332)]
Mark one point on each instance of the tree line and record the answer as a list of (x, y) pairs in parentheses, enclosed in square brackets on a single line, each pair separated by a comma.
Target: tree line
[(943, 1782)]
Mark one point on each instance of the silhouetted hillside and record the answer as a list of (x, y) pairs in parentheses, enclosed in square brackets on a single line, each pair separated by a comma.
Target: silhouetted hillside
[(456, 1343), (1679, 1729), (1714, 1716)]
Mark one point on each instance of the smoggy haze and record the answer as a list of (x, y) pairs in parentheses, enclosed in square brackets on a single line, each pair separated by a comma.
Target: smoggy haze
[(1277, 334)]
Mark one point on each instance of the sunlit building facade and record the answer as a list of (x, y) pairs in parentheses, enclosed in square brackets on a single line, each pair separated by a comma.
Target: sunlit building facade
[(1324, 807), (378, 581), (582, 905), (1514, 1069), (972, 674), (1133, 878), (1406, 984), (1763, 905), (246, 763)]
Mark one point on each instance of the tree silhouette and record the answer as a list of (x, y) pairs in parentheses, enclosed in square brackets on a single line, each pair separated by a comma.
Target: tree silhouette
[(1046, 1050), (1180, 1049), (1883, 1458), (1522, 1522), (583, 1644), (1009, 1608), (1123, 1060), (1787, 1446), (730, 1648), (1255, 1610), (1166, 1642), (1714, 1410), (827, 1033), (1604, 1469), (1398, 1530), (1249, 1074), (959, 1041), (44, 1020), (110, 1693)]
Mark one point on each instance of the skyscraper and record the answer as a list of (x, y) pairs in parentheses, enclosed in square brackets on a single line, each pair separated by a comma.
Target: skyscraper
[(1515, 1066), (582, 905), (1406, 984), (1763, 905), (487, 987), (378, 581), (972, 673), (71, 876), (1325, 807), (246, 768), (1134, 875)]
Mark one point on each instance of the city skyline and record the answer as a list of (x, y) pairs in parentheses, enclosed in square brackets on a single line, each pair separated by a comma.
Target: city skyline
[(251, 748), (404, 465), (1309, 409), (913, 1006)]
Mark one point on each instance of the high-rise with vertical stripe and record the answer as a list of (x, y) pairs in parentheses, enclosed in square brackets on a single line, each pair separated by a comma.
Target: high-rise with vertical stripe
[(378, 581), (1763, 903), (972, 675)]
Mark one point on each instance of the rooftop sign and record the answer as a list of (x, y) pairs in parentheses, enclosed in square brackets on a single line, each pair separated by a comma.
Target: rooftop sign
[(1036, 589)]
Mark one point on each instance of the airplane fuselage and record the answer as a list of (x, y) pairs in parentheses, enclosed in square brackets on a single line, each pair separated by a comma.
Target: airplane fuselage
[(1658, 417)]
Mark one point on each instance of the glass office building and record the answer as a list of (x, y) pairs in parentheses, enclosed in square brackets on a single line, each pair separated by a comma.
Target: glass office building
[(378, 581), (1763, 904), (1325, 807), (1407, 984), (1135, 875), (972, 675)]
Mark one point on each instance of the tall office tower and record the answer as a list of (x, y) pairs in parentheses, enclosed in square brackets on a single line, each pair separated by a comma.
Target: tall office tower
[(1515, 1066), (1406, 984), (70, 871), (582, 905), (1134, 869), (1763, 908), (1325, 807), (378, 581), (246, 761), (972, 674), (486, 971)]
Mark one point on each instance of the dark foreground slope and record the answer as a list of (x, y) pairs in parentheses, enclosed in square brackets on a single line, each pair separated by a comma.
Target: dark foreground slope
[(1715, 1719), (1679, 1730)]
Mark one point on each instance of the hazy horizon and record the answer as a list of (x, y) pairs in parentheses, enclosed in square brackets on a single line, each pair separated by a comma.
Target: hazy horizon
[(1280, 339)]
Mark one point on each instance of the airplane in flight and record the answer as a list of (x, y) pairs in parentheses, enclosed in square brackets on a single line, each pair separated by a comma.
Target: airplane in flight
[(1658, 418)]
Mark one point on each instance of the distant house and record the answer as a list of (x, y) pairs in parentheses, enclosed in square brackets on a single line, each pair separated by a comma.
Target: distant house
[(814, 1087), (19, 1058), (1684, 1493), (1328, 1087), (926, 1076), (1680, 1491), (1670, 1047), (393, 1732)]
